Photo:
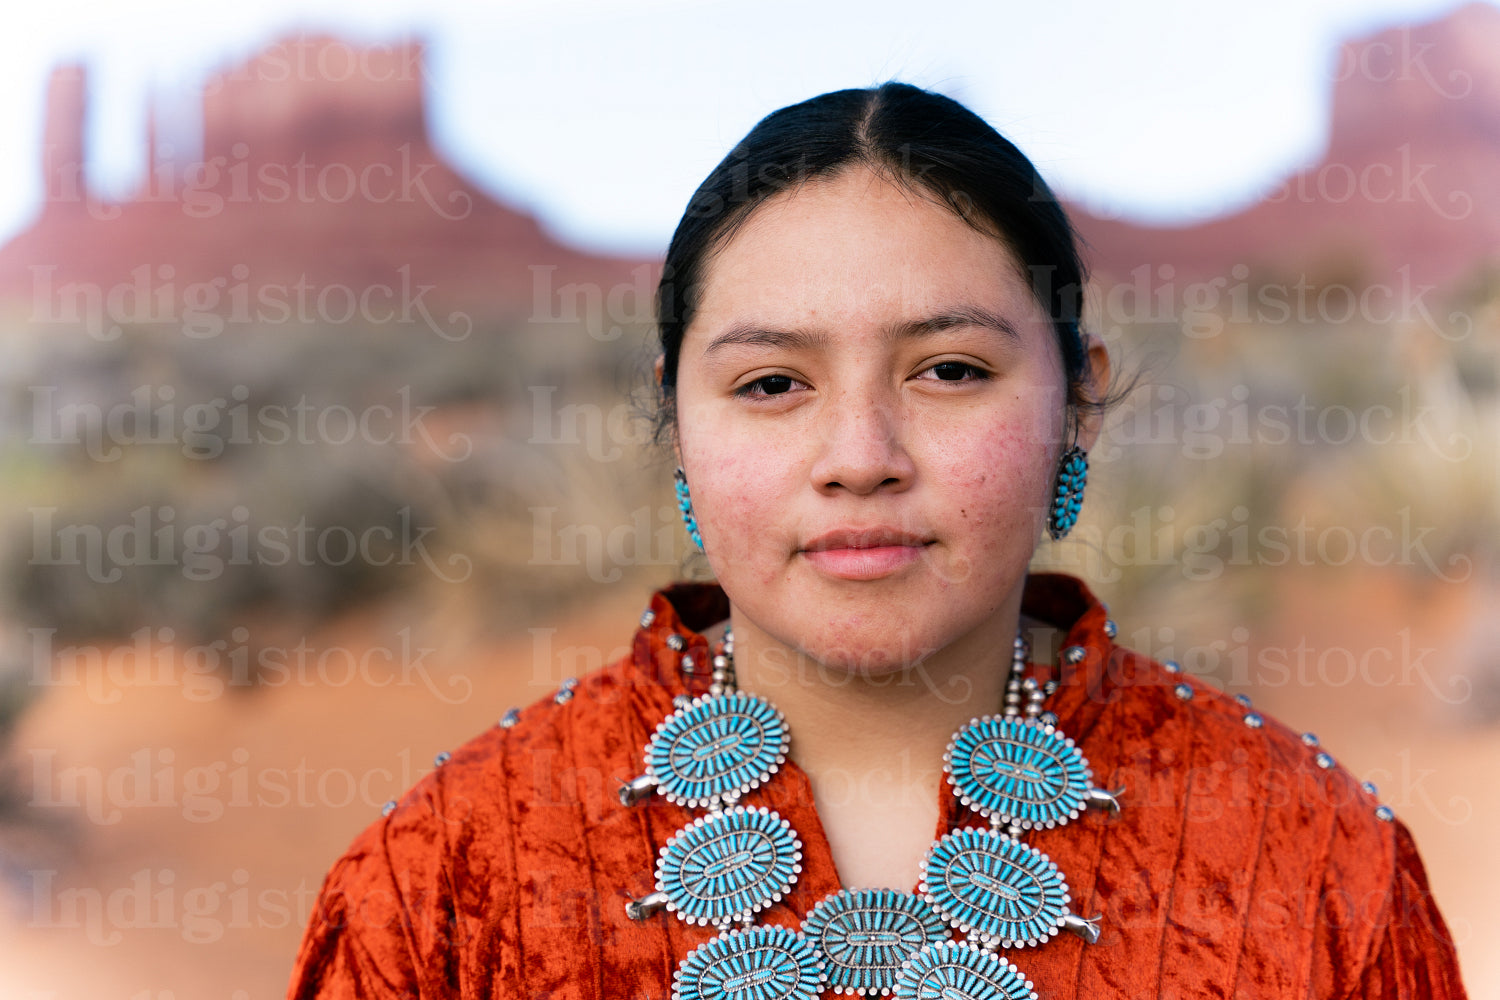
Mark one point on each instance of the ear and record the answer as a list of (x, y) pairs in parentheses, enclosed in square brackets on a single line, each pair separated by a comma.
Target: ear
[(1097, 387)]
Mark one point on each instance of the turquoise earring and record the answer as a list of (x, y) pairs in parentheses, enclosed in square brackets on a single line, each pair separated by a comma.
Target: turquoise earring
[(685, 505), (1067, 499)]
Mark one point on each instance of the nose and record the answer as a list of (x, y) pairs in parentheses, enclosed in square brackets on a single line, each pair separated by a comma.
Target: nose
[(861, 448)]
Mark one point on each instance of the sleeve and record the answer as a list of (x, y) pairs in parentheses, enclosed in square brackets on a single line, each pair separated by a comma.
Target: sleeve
[(359, 940), (1413, 952)]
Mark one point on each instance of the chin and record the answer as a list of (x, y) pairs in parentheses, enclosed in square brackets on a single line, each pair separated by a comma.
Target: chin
[(854, 648)]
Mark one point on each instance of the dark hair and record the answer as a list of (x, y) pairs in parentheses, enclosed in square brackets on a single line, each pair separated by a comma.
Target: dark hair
[(917, 138)]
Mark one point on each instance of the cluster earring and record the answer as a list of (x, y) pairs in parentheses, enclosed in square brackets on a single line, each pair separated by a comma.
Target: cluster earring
[(1067, 498), (685, 505)]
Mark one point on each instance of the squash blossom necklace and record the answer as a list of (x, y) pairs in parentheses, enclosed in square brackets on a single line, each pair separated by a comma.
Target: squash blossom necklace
[(1015, 769)]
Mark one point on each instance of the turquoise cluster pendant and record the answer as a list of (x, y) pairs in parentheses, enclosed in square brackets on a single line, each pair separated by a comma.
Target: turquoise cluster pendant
[(733, 862), (865, 934)]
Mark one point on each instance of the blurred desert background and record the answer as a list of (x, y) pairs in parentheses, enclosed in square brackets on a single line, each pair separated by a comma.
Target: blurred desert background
[(318, 457)]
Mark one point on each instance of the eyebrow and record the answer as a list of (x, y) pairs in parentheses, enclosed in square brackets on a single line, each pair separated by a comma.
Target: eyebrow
[(755, 336)]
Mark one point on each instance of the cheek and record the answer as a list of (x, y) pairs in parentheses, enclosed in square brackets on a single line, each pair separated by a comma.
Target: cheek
[(740, 487), (1000, 484)]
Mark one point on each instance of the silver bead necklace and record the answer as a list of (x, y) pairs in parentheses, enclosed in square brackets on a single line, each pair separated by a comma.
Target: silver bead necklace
[(720, 870)]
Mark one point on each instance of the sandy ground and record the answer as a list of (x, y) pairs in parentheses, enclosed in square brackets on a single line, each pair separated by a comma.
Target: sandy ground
[(185, 830)]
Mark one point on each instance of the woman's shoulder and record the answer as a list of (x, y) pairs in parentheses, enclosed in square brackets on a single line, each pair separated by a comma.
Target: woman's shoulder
[(1231, 757), (564, 749), (1158, 725), (503, 815), (564, 754)]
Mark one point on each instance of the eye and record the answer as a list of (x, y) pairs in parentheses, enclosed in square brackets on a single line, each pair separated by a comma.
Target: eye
[(768, 385), (955, 371)]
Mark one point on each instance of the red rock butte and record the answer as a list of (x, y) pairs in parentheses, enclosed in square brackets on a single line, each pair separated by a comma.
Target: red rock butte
[(1406, 190), (316, 170)]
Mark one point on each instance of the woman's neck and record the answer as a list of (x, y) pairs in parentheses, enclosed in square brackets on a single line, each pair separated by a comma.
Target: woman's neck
[(872, 744), (891, 727)]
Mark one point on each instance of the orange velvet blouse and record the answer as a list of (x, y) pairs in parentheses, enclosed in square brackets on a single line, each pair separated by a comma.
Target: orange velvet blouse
[(1242, 864)]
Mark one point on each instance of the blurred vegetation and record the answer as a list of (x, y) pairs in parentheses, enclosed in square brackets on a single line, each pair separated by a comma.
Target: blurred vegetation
[(515, 475), (1245, 447), (157, 480)]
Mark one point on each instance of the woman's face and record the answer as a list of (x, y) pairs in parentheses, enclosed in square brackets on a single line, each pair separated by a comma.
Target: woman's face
[(870, 410)]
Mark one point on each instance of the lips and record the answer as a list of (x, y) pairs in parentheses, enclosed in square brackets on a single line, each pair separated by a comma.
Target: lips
[(864, 553), (864, 538)]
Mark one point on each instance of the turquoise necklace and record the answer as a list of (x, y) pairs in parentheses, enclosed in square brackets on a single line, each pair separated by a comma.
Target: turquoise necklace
[(734, 861)]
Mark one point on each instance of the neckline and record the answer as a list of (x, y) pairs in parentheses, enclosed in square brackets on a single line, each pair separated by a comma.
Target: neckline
[(796, 795), (1064, 602), (671, 647)]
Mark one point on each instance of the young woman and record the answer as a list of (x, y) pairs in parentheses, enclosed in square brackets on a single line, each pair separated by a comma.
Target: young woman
[(878, 756)]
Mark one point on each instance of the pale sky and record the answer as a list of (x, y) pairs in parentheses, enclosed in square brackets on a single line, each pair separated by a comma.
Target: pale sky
[(601, 117)]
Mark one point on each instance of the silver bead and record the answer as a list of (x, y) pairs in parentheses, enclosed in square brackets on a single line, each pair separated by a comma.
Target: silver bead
[(1047, 718), (563, 696), (1253, 720), (388, 808), (510, 718), (442, 758), (676, 642), (687, 662), (1172, 667), (682, 701), (1074, 654), (637, 789), (647, 617), (1324, 760), (1370, 788), (640, 909), (1243, 699), (1184, 691), (1309, 740), (1110, 628), (1384, 813)]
